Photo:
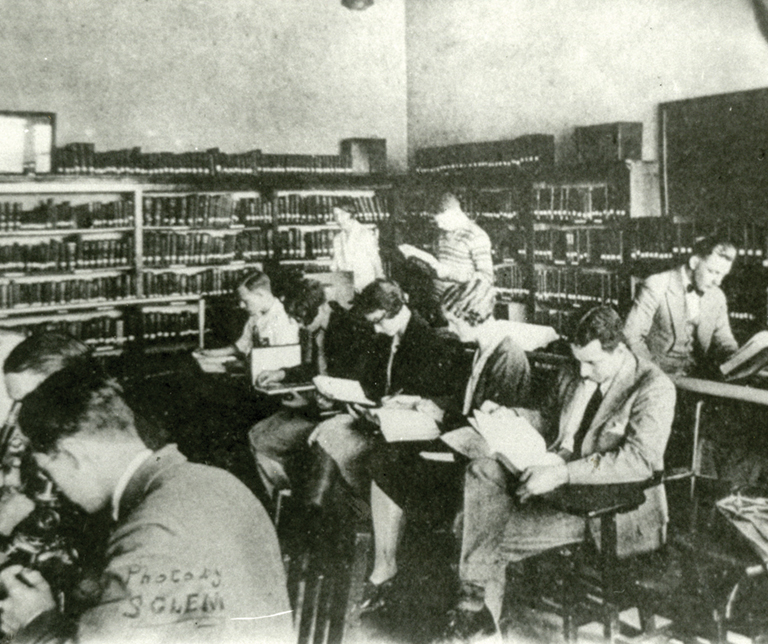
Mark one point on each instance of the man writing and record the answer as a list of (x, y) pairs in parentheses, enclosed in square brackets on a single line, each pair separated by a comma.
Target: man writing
[(679, 319), (192, 556), (611, 416)]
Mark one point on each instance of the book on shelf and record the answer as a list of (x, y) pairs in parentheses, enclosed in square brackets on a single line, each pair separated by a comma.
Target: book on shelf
[(748, 360)]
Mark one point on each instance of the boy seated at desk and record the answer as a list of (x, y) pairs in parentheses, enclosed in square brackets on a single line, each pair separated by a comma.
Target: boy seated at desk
[(340, 343), (268, 324)]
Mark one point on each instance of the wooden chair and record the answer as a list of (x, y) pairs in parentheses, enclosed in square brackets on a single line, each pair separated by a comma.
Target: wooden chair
[(592, 592)]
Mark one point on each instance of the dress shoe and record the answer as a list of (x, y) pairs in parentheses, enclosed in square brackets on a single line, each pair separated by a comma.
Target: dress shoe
[(377, 597), (466, 625)]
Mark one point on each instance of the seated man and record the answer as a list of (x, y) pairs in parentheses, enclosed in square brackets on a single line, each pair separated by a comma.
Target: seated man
[(413, 360), (192, 555), (340, 344), (268, 324), (679, 319), (611, 418)]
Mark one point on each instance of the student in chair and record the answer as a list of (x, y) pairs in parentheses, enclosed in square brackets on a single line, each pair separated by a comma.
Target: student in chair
[(679, 319), (608, 422)]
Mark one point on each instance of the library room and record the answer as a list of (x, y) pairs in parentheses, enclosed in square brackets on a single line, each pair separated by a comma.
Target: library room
[(257, 256)]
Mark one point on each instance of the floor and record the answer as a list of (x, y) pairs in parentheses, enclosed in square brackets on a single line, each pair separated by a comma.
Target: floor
[(428, 589)]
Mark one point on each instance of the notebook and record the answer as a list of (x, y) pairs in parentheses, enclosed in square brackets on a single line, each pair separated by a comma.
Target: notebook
[(272, 358)]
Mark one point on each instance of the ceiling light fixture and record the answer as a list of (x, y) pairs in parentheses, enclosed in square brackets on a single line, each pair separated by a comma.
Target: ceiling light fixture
[(356, 5)]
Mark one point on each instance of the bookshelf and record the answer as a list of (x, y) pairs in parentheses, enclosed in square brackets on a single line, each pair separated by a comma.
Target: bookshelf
[(585, 223), (130, 262), (713, 177)]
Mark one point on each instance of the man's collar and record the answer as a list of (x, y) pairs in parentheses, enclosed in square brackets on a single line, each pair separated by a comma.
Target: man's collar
[(124, 479), (688, 285)]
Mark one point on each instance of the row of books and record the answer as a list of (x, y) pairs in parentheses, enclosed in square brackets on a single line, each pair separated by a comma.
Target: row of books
[(203, 210), (532, 151), (590, 246), (19, 294), (99, 330), (82, 158), (511, 282), (164, 325), (318, 209), (591, 204), (663, 240), (71, 253), (568, 286), (296, 243), (209, 281), (255, 244), (53, 215), (169, 248)]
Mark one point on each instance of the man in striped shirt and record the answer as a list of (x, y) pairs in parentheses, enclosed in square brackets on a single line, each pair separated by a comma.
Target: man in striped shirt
[(462, 249)]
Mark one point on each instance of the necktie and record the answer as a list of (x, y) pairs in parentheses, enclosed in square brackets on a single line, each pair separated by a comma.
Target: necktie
[(586, 421)]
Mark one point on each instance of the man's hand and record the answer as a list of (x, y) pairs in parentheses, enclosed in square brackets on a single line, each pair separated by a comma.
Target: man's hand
[(538, 480), (431, 409), (294, 400), (14, 508), (29, 595), (270, 377)]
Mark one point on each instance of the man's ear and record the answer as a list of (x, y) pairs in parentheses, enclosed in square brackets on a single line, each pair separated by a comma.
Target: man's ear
[(693, 262), (73, 449)]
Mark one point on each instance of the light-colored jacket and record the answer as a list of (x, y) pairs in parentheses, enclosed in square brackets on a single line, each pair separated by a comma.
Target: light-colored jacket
[(656, 326), (624, 443)]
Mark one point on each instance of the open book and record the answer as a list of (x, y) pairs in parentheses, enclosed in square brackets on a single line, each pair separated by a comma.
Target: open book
[(342, 390), (399, 424), (504, 434), (748, 360)]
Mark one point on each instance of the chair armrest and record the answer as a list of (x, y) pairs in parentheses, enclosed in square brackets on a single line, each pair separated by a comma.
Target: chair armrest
[(593, 501)]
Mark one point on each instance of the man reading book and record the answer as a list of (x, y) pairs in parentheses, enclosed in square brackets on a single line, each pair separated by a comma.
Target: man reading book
[(608, 421), (679, 318)]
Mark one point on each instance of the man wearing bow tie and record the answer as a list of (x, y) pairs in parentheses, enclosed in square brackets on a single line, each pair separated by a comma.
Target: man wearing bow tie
[(679, 318)]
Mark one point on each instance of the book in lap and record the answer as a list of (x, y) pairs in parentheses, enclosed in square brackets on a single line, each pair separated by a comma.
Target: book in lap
[(342, 390), (749, 360), (504, 434)]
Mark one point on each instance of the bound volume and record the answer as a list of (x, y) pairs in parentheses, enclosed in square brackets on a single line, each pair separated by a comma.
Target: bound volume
[(748, 360)]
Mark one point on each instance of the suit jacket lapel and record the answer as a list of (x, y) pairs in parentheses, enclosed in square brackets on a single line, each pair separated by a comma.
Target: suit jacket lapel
[(676, 304), (616, 393)]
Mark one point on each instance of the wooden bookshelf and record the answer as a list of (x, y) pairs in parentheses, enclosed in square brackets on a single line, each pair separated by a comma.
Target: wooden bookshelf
[(122, 261)]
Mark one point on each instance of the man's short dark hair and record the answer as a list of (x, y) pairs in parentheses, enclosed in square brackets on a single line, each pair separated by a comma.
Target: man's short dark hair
[(348, 204), (380, 295), (74, 400), (600, 323), (45, 353), (715, 244), (257, 281), (304, 300)]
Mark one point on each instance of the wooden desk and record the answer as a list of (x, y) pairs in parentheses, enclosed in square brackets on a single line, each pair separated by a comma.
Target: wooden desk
[(726, 390)]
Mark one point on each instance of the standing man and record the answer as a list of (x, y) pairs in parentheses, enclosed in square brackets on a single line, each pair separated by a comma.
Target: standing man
[(192, 556), (355, 248), (610, 418), (462, 248), (679, 318)]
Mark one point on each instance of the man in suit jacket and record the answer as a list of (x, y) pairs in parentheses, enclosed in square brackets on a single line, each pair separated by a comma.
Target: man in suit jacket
[(407, 357), (192, 557), (679, 319), (611, 419)]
